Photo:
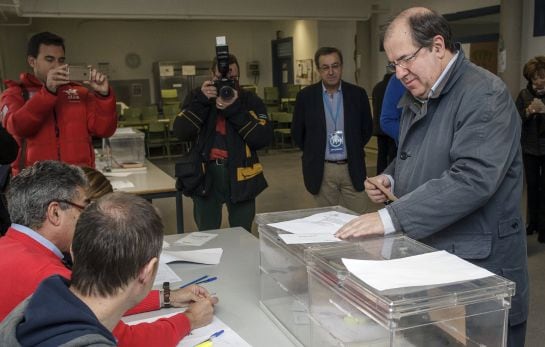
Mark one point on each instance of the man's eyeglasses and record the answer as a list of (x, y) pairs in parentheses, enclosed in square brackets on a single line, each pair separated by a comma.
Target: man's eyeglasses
[(325, 68), (73, 204), (403, 62)]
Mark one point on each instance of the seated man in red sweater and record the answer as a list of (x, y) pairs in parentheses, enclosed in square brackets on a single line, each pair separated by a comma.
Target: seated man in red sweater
[(45, 202), (104, 284)]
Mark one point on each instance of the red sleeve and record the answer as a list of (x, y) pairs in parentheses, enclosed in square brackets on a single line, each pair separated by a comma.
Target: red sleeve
[(150, 303), (162, 332), (25, 119), (101, 114)]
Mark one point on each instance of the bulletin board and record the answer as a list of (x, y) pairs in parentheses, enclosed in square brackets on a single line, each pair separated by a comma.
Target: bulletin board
[(304, 72)]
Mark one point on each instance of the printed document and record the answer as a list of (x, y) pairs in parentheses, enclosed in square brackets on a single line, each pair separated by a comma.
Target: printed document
[(165, 274), (210, 256), (426, 269), (320, 223), (196, 238)]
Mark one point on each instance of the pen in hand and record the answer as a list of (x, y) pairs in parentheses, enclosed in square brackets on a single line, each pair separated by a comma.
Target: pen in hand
[(200, 280), (389, 195)]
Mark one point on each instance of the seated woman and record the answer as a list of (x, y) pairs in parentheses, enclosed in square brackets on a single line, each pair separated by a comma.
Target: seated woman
[(98, 184)]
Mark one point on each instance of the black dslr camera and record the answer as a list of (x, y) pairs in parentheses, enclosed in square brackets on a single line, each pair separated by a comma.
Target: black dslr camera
[(224, 85)]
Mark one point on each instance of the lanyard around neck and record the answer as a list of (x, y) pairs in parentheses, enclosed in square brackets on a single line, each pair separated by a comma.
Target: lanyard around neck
[(327, 105)]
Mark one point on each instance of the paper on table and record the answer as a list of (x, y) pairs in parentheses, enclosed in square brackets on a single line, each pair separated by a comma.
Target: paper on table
[(432, 268), (165, 274), (324, 223), (292, 239), (229, 338), (121, 184), (196, 238), (117, 174), (209, 256)]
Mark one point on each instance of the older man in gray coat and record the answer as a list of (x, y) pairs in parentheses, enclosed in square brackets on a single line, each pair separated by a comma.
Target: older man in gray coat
[(458, 171)]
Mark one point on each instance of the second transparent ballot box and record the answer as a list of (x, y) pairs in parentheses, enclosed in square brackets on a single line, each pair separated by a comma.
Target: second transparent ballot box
[(346, 311)]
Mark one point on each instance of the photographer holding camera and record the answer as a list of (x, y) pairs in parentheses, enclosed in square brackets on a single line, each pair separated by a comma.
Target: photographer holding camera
[(227, 125), (51, 116)]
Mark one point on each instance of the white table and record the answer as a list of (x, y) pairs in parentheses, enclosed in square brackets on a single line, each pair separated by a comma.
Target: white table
[(237, 287), (154, 183)]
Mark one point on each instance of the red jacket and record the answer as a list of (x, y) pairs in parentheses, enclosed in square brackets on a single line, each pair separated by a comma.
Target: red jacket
[(25, 263), (55, 127)]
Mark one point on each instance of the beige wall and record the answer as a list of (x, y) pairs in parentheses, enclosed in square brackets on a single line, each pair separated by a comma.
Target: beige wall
[(94, 41), (101, 40), (98, 40)]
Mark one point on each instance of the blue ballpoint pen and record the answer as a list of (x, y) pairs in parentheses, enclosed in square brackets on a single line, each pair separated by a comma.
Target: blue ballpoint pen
[(195, 281), (208, 341), (210, 279)]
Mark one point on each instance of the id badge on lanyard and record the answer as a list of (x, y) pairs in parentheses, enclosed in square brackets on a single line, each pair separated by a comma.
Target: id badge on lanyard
[(336, 142)]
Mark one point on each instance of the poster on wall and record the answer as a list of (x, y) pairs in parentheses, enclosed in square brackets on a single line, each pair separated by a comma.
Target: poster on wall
[(303, 75)]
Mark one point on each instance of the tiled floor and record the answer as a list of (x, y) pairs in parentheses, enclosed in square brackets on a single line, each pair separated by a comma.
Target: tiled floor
[(287, 192)]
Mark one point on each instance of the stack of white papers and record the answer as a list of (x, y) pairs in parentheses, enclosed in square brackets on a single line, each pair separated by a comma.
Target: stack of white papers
[(426, 269), (317, 228), (196, 238), (210, 256)]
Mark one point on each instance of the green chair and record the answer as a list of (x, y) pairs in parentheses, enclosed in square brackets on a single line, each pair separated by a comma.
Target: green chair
[(132, 114), (171, 110), (132, 117), (149, 112), (156, 137), (170, 97), (282, 128), (293, 89), (156, 132), (271, 99)]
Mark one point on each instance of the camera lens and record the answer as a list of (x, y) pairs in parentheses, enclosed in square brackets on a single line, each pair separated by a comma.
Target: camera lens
[(226, 92)]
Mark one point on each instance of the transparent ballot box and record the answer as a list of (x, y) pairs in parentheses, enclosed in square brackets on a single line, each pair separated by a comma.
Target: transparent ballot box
[(346, 311), (126, 149), (283, 273)]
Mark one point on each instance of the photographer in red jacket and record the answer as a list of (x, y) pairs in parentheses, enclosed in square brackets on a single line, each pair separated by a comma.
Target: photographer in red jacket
[(51, 116)]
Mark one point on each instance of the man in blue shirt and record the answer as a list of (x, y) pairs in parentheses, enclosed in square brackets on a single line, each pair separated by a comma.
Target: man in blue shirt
[(331, 124)]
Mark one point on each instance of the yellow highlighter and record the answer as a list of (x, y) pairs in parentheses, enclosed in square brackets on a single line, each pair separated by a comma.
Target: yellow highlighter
[(208, 341)]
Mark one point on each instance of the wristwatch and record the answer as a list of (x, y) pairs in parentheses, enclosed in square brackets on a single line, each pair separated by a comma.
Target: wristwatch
[(166, 295)]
